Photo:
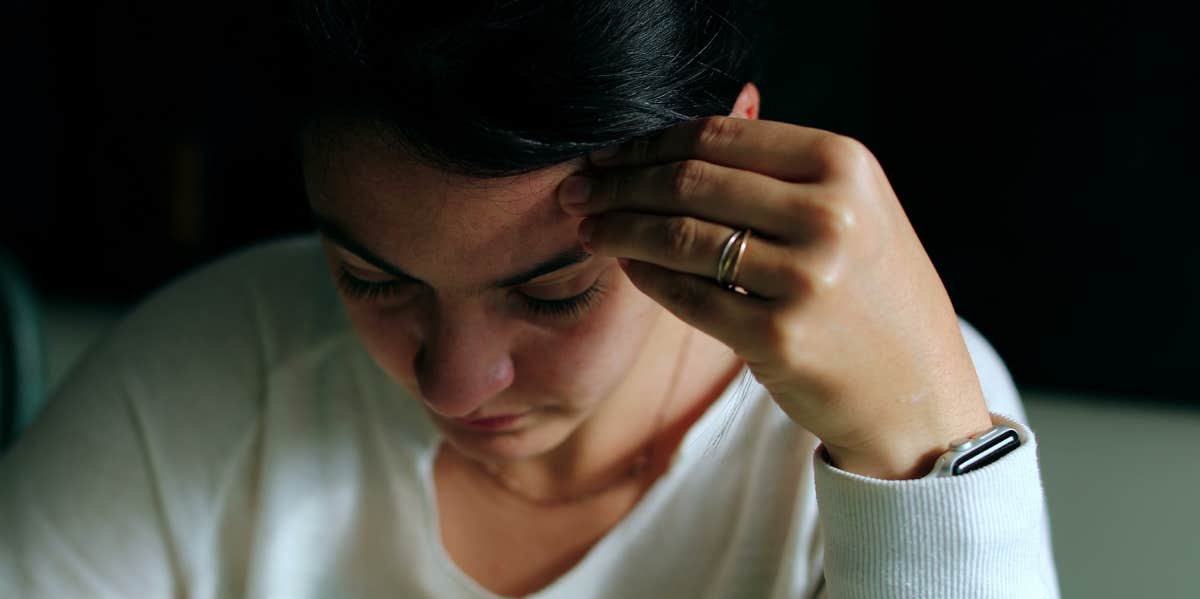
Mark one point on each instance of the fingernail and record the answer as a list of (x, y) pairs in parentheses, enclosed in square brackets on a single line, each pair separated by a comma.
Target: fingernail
[(605, 153), (585, 229), (575, 190)]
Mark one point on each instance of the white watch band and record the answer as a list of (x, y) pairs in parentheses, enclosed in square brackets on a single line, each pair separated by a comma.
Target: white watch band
[(976, 451)]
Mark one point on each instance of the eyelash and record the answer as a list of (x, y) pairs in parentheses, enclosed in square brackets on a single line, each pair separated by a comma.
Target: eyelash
[(356, 288), (573, 306)]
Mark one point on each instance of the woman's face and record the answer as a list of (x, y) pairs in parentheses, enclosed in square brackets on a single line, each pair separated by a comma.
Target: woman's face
[(460, 289)]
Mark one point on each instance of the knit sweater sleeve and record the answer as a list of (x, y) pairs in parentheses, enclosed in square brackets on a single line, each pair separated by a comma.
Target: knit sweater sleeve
[(981, 534)]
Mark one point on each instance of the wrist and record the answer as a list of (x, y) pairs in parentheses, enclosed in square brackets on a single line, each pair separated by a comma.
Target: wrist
[(905, 456)]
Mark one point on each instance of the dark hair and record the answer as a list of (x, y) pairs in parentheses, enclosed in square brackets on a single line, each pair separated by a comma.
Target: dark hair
[(492, 88)]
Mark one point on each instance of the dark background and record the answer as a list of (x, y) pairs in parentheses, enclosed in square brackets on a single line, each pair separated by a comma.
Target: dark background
[(1043, 151)]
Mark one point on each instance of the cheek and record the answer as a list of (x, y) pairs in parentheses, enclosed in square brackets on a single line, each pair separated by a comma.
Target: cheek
[(387, 339), (584, 363), (570, 366)]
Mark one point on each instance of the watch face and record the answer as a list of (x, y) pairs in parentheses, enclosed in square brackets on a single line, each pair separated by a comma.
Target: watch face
[(987, 451)]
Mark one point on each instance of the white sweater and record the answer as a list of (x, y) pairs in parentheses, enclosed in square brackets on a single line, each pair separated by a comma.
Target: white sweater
[(231, 438)]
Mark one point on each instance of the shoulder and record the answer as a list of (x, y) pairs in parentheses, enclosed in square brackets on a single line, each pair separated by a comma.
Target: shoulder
[(258, 304), (196, 361), (211, 340), (157, 428)]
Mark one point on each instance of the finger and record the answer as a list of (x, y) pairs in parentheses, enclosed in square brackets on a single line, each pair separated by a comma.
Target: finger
[(725, 315), (739, 198), (694, 246), (782, 150)]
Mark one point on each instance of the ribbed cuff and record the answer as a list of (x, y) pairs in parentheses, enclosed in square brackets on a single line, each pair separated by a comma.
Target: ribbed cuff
[(980, 534)]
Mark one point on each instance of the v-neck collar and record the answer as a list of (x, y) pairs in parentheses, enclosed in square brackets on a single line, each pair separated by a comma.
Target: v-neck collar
[(704, 436)]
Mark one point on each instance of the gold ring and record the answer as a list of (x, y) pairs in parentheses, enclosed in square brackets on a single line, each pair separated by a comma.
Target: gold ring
[(730, 261)]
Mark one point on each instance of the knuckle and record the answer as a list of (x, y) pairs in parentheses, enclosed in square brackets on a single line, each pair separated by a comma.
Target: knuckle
[(813, 273), (820, 218), (796, 279), (835, 222), (824, 271), (715, 131), (679, 235), (844, 154), (687, 178), (806, 208)]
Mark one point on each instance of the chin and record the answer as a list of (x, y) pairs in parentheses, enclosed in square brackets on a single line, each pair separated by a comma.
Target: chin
[(530, 438)]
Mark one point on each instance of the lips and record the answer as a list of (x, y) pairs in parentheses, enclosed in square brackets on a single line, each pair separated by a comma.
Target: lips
[(492, 422)]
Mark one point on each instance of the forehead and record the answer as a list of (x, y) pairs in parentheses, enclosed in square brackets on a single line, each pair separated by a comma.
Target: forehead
[(446, 229)]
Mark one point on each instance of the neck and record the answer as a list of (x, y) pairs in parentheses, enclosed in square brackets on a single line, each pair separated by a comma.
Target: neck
[(626, 425)]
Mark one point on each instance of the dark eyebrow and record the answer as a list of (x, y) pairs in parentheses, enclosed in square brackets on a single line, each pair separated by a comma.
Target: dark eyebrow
[(568, 257), (339, 236)]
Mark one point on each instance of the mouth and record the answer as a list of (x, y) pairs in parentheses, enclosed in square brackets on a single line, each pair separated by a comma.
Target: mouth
[(492, 423)]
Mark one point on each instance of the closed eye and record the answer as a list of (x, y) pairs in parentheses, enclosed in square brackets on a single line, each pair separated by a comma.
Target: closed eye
[(568, 307), (358, 289), (573, 306)]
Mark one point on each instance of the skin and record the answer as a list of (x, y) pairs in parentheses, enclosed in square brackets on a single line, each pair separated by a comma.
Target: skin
[(596, 386), (842, 316), (844, 320)]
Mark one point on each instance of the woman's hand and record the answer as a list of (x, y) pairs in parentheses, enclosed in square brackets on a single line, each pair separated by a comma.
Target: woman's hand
[(846, 322)]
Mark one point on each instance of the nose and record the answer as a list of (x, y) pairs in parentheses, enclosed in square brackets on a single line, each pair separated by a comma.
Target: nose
[(463, 362)]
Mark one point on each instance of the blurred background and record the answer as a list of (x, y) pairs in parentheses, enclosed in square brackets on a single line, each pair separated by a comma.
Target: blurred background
[(1044, 151)]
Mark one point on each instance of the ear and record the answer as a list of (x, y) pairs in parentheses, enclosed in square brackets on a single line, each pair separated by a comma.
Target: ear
[(747, 104)]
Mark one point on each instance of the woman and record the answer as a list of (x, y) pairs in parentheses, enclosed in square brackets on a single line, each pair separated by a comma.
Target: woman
[(597, 331)]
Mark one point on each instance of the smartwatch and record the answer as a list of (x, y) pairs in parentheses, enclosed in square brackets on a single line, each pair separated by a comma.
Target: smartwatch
[(976, 451)]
